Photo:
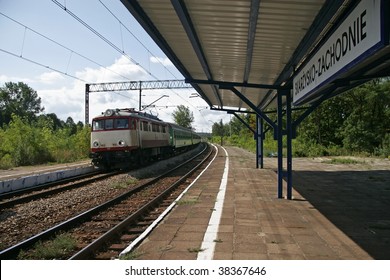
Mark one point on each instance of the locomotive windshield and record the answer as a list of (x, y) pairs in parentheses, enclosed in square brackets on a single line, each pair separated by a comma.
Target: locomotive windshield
[(108, 124)]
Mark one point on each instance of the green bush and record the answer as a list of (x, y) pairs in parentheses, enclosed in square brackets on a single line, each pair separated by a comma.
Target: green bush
[(22, 143)]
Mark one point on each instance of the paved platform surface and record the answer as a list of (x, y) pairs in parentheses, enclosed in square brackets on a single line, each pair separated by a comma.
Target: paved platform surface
[(338, 211), (21, 171)]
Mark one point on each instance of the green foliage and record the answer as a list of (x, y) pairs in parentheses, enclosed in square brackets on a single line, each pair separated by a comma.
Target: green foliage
[(18, 99), (357, 121), (183, 116), (343, 161), (384, 148), (58, 248), (22, 143), (219, 130), (369, 118), (28, 139)]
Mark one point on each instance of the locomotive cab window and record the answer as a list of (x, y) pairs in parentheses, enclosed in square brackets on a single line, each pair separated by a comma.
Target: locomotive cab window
[(121, 123), (109, 124), (98, 125)]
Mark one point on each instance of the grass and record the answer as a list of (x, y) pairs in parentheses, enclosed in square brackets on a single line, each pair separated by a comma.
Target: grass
[(58, 248), (125, 184), (189, 201), (195, 250), (343, 161), (133, 255)]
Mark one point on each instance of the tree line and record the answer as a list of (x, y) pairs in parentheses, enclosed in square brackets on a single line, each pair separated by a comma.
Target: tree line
[(28, 137), (356, 122)]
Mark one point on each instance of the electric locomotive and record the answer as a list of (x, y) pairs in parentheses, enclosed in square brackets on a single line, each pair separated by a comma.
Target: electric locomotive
[(126, 137)]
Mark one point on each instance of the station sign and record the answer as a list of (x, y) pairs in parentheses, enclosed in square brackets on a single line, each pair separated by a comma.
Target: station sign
[(355, 39)]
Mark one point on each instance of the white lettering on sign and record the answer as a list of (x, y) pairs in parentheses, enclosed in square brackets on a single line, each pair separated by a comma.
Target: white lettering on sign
[(349, 44)]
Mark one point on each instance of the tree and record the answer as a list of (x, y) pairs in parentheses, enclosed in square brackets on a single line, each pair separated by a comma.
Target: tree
[(368, 122), (183, 116), (236, 125), (25, 144), (357, 120), (71, 126), (19, 99), (321, 126), (220, 130)]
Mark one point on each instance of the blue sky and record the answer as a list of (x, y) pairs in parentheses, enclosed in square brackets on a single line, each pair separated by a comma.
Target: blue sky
[(75, 55)]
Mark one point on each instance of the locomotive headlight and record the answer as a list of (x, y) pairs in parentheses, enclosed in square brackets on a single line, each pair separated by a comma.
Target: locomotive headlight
[(121, 143), (95, 144)]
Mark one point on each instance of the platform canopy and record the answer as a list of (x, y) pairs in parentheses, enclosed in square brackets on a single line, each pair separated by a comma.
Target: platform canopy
[(257, 46)]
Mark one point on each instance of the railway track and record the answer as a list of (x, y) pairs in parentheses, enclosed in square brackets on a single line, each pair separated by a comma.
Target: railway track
[(96, 228)]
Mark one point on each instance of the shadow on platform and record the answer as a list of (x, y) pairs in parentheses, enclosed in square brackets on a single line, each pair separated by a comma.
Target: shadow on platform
[(357, 202)]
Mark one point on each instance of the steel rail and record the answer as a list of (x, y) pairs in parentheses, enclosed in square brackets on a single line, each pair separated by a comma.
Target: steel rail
[(13, 251), (88, 251)]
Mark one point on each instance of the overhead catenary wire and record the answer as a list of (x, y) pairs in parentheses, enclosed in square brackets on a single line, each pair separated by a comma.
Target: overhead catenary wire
[(61, 45), (137, 39), (42, 65), (72, 53), (115, 47), (112, 45), (27, 28)]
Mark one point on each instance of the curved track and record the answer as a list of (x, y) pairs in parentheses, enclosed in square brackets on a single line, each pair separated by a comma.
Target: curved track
[(96, 212)]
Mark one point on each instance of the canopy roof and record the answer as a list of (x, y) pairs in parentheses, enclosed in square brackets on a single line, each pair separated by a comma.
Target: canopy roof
[(256, 46)]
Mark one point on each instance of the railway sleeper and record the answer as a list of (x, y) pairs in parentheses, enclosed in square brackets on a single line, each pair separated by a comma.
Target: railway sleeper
[(128, 237)]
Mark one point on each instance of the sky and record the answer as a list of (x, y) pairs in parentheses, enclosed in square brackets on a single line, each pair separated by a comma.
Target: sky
[(56, 54)]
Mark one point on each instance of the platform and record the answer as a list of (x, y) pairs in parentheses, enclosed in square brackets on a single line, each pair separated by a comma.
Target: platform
[(332, 214), (22, 177)]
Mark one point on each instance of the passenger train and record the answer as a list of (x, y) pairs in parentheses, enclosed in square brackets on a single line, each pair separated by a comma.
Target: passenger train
[(126, 137)]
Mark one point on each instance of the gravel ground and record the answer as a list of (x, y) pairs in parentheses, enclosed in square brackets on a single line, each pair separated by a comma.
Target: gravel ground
[(25, 220)]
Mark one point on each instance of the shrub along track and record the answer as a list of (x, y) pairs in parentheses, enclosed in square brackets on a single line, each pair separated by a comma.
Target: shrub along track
[(96, 218)]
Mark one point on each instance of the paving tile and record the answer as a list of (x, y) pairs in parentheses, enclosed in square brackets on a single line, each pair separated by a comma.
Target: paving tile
[(179, 256), (249, 256), (286, 256), (223, 255), (250, 248), (332, 216), (225, 228)]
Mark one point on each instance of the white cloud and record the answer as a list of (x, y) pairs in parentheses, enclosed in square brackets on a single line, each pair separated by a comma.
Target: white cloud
[(66, 97), (161, 60), (50, 77), (69, 100), (5, 79), (122, 69)]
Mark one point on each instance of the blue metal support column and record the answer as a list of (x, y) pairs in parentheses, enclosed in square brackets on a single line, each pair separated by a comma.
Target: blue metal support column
[(280, 133), (289, 144), (279, 138), (259, 142)]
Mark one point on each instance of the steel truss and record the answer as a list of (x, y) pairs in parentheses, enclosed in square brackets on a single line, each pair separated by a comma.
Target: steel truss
[(283, 111), (131, 85)]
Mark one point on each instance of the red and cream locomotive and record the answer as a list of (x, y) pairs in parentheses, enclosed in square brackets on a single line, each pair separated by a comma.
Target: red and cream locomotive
[(125, 137)]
